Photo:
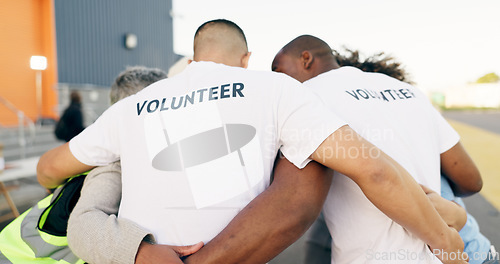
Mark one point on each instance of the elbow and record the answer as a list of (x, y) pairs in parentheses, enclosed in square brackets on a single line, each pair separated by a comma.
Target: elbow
[(313, 208), (479, 182), (472, 188), (380, 177), (309, 207), (44, 172), (477, 186), (302, 216), (476, 183), (307, 218), (299, 225)]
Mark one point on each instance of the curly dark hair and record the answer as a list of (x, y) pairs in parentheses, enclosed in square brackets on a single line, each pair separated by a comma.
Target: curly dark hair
[(379, 62)]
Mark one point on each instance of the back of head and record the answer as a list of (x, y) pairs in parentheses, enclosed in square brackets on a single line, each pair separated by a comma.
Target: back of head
[(132, 80), (315, 45), (75, 97), (304, 58), (221, 41)]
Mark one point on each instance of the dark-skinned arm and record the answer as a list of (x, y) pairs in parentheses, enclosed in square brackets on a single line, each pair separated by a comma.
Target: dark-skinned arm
[(460, 171), (273, 220), (390, 188)]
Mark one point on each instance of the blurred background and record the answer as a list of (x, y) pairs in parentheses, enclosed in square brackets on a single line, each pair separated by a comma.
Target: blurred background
[(50, 48), (450, 48)]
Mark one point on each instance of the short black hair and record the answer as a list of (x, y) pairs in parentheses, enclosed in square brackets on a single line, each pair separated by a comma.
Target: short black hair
[(226, 22)]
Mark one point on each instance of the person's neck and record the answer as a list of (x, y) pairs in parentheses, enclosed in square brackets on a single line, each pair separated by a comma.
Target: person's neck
[(326, 67), (332, 65), (218, 59)]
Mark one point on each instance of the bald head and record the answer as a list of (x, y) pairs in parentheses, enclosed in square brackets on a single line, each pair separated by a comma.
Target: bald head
[(316, 46), (221, 41), (304, 57)]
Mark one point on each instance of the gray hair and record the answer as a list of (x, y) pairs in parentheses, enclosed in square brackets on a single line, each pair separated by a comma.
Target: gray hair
[(132, 80)]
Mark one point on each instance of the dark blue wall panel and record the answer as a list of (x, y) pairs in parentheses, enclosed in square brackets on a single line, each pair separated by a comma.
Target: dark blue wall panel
[(90, 38)]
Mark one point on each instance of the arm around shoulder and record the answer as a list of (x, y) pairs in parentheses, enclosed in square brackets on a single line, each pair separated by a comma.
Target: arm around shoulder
[(389, 187), (273, 220)]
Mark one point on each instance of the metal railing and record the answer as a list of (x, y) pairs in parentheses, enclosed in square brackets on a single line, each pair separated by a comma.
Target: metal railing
[(23, 123)]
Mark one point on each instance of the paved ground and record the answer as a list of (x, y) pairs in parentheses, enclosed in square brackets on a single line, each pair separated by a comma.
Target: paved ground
[(483, 145), (487, 120), (480, 134)]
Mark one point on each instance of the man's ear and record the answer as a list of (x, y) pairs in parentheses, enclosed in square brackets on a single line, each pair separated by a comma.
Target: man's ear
[(245, 59), (307, 59)]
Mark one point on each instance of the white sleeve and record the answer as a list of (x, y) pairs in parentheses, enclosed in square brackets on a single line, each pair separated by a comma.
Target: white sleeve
[(448, 137), (304, 122), (98, 144)]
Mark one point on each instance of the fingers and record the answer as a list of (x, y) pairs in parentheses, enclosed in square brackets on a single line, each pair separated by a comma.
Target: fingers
[(149, 253), (426, 190), (187, 250), (453, 253)]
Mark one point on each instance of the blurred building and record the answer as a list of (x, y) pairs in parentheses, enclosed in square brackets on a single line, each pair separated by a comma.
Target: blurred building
[(475, 95), (86, 43)]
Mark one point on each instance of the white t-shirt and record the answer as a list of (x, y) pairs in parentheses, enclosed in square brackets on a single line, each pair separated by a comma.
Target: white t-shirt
[(197, 148), (398, 119)]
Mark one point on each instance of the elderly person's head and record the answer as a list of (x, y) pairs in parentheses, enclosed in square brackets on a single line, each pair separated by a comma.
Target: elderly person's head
[(132, 80)]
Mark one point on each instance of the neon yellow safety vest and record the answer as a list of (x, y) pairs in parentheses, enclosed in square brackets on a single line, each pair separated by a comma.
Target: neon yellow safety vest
[(39, 234)]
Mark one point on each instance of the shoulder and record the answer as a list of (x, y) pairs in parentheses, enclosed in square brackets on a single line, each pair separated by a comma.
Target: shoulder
[(257, 74), (336, 75), (103, 178), (114, 167), (274, 78)]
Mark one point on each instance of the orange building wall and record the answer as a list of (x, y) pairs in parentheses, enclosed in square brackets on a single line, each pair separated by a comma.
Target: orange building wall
[(27, 27)]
